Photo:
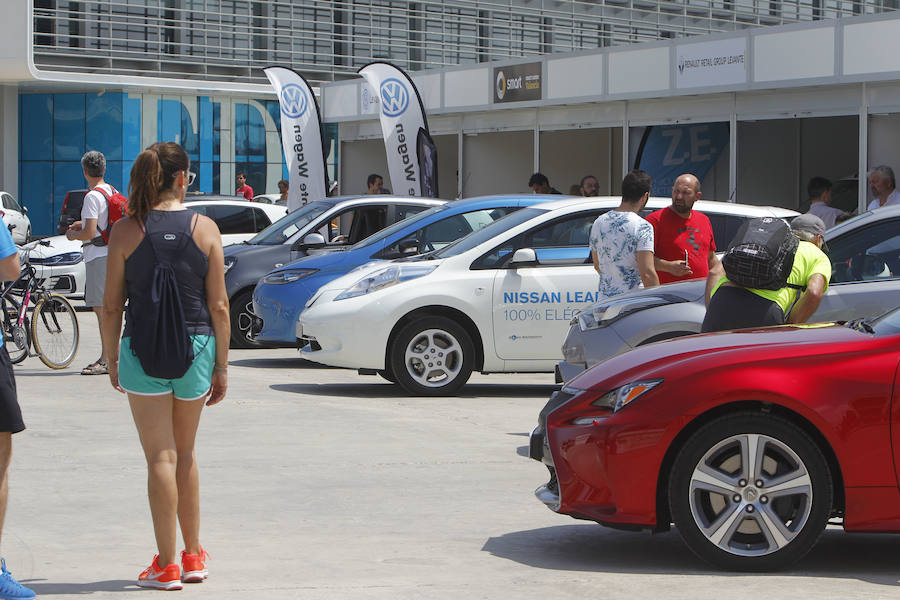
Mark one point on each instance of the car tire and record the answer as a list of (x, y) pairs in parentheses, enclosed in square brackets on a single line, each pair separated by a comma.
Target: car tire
[(241, 320), (388, 375), (432, 356), (726, 517)]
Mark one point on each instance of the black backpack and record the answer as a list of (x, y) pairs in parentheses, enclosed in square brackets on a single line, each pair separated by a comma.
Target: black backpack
[(160, 338), (761, 255)]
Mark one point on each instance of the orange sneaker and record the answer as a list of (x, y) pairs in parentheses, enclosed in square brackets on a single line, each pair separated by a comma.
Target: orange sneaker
[(154, 576), (193, 566)]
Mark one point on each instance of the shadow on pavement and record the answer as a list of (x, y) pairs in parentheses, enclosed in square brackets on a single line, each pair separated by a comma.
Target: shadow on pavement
[(383, 389), (54, 589), (865, 557), (277, 363)]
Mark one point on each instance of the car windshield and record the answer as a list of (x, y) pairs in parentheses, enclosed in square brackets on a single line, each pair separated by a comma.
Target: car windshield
[(399, 225), (282, 229), (487, 233)]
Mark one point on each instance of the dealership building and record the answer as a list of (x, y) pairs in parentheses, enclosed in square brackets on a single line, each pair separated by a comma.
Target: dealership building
[(755, 96)]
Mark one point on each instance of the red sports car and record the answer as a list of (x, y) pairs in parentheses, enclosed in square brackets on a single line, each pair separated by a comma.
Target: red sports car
[(748, 441)]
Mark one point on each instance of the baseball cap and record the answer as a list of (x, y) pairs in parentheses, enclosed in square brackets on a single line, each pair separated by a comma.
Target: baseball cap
[(808, 223)]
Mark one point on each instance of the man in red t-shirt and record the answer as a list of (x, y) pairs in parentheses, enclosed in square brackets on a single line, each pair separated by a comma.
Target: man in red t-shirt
[(243, 189), (684, 247)]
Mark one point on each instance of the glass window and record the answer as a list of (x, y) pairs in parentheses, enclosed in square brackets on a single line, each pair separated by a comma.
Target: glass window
[(232, 219), (443, 232), (8, 202), (261, 220), (281, 230), (867, 253), (404, 211), (563, 241)]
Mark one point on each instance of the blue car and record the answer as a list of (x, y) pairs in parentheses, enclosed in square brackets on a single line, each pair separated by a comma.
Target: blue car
[(280, 296)]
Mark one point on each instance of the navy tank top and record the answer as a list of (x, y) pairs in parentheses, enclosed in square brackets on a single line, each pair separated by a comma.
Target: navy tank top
[(173, 240)]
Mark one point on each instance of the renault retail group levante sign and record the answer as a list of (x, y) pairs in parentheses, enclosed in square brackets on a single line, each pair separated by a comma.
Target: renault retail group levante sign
[(517, 83), (707, 64)]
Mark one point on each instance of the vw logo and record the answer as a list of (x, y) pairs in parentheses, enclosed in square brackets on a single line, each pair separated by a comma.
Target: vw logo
[(394, 97), (293, 101), (501, 85)]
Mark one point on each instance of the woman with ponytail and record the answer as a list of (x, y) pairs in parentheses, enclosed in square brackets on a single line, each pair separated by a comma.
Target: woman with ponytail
[(158, 229)]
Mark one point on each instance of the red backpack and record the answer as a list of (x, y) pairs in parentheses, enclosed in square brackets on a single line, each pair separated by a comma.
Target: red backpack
[(117, 205)]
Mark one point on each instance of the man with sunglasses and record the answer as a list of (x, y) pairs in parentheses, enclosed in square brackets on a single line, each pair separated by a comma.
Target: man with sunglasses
[(94, 219)]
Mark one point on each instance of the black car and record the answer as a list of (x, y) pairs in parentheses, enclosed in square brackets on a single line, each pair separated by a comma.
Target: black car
[(331, 224)]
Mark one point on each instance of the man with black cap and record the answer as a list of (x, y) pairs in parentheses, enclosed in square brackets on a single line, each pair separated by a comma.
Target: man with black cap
[(735, 307)]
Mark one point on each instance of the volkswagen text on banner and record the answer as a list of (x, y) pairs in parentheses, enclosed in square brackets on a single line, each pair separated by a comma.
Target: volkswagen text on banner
[(402, 116), (301, 136)]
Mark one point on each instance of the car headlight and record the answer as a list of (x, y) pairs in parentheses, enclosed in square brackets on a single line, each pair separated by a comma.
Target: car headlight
[(288, 275), (386, 277), (229, 262), (603, 315), (617, 399), (68, 258)]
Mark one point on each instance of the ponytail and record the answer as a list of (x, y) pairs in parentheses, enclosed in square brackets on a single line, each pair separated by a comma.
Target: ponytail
[(153, 171)]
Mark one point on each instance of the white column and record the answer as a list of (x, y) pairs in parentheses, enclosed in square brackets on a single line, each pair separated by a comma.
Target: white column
[(9, 139), (863, 148)]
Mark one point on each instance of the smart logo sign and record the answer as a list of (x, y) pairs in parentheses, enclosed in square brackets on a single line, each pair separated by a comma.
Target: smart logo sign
[(394, 97), (293, 101), (517, 83)]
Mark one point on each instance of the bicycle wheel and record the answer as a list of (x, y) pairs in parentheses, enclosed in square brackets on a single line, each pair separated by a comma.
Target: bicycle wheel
[(54, 331), (16, 338)]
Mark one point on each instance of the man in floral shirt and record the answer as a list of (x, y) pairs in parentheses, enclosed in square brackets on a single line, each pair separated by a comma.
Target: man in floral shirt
[(622, 242)]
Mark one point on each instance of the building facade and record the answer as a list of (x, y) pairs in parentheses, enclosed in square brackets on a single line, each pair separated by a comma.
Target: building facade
[(118, 75)]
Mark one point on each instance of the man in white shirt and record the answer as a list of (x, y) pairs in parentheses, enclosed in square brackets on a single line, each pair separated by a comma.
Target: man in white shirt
[(819, 190), (622, 242), (884, 187), (94, 219)]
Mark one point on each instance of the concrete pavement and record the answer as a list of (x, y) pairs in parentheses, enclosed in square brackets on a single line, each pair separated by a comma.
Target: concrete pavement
[(319, 483)]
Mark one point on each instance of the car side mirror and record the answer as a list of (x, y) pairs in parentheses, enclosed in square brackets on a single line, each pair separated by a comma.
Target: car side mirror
[(311, 240), (523, 257), (408, 248), (24, 210)]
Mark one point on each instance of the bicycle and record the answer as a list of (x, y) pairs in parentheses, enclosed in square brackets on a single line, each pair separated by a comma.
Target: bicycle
[(52, 329)]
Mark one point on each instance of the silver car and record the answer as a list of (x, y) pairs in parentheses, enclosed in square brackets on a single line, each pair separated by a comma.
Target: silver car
[(865, 282)]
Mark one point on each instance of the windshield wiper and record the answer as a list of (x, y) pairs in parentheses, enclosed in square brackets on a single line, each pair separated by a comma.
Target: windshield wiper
[(860, 325)]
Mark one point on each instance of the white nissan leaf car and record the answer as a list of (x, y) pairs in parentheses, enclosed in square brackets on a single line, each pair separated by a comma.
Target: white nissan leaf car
[(497, 300)]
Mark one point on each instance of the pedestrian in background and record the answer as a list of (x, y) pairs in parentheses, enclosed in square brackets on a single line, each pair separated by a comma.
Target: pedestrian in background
[(166, 412), (242, 188), (884, 187), (589, 186), (622, 242), (539, 184), (283, 187), (374, 183), (819, 190), (731, 306), (10, 416), (94, 219), (684, 243)]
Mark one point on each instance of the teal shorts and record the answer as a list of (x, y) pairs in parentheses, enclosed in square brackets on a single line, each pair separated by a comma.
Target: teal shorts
[(192, 386)]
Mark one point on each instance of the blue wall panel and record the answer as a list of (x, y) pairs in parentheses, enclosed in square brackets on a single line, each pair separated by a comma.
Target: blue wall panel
[(103, 124), (56, 129), (131, 127), (68, 126), (36, 127), (36, 185)]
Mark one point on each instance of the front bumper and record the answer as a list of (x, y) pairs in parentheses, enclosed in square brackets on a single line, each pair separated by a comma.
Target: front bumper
[(351, 333), (278, 307)]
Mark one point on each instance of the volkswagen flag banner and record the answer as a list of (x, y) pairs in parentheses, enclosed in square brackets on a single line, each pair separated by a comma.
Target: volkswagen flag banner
[(301, 137), (402, 116)]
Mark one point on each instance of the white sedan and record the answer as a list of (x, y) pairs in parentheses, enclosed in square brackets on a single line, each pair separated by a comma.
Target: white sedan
[(15, 216), (498, 300), (238, 220)]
